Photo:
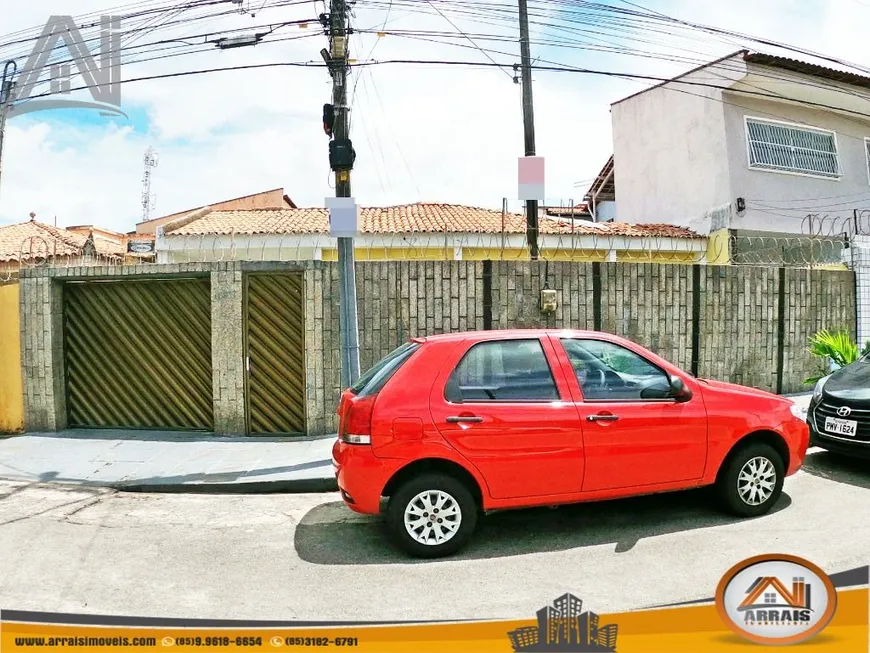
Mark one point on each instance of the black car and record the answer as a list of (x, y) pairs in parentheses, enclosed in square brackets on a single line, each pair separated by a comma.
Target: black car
[(839, 412)]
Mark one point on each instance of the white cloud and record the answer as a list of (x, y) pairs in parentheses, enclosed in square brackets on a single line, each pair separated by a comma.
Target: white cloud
[(421, 132)]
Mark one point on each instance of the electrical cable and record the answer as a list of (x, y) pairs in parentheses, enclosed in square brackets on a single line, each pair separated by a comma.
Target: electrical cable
[(485, 53)]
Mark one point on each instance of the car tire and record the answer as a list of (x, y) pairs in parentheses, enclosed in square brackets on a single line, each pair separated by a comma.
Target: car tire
[(741, 488), (425, 492)]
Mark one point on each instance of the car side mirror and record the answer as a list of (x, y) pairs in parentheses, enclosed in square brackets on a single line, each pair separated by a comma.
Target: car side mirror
[(679, 391)]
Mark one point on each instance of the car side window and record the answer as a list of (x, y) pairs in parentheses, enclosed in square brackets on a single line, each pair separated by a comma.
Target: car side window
[(610, 372), (503, 370)]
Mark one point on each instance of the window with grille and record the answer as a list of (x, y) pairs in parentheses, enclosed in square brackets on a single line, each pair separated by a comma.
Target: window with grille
[(775, 146)]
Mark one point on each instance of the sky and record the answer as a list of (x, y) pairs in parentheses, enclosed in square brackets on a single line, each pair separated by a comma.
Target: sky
[(422, 133)]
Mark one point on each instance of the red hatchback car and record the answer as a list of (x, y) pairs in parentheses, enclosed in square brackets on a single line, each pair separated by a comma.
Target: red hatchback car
[(454, 425)]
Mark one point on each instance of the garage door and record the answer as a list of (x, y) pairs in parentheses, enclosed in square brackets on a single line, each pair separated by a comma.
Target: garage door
[(276, 360), (138, 354)]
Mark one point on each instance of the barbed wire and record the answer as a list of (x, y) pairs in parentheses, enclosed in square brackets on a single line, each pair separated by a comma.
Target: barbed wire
[(844, 225), (737, 248), (42, 252)]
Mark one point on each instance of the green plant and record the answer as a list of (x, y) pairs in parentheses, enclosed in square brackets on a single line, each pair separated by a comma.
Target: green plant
[(833, 349)]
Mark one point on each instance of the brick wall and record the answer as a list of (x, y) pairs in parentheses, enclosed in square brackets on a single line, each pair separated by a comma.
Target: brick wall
[(814, 299), (228, 348), (723, 322), (41, 301), (737, 323), (322, 348), (396, 300), (516, 294), (730, 332), (650, 304)]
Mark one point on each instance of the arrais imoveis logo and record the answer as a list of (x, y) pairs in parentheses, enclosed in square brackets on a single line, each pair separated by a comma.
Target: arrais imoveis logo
[(102, 80), (776, 599)]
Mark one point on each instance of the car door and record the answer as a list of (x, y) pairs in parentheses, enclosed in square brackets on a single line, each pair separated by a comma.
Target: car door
[(634, 432), (505, 405)]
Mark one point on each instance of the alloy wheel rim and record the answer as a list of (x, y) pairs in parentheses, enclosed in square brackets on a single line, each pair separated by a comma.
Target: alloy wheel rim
[(756, 481), (433, 517)]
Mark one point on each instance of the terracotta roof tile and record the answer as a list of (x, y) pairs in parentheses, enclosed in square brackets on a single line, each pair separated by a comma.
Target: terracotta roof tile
[(407, 219), (806, 68), (32, 239)]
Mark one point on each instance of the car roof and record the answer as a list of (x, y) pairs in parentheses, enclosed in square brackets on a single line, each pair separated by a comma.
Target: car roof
[(515, 333)]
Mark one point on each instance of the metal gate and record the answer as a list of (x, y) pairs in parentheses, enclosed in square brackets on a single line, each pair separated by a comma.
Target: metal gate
[(138, 354), (275, 328)]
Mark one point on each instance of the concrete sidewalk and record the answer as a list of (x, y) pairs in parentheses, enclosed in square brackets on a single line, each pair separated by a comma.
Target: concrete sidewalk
[(153, 461)]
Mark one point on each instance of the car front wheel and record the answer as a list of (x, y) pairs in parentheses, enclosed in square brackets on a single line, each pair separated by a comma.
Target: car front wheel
[(431, 516), (751, 481)]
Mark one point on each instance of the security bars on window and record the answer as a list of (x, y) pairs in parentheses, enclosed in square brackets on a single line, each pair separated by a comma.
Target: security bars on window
[(774, 146)]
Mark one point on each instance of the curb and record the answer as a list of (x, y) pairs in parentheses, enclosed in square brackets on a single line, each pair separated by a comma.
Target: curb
[(300, 486)]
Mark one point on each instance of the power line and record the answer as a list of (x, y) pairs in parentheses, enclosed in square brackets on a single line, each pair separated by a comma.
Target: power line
[(469, 64), (725, 65), (485, 53), (163, 26)]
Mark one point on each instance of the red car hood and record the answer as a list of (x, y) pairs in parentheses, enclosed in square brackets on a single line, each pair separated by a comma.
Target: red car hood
[(733, 388)]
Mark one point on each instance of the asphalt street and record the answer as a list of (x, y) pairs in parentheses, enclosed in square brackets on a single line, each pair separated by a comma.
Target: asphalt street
[(95, 550)]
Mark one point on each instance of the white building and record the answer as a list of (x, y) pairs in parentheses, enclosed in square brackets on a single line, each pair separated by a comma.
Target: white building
[(750, 142)]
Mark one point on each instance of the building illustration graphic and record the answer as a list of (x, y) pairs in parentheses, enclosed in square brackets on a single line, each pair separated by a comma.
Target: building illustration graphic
[(564, 627)]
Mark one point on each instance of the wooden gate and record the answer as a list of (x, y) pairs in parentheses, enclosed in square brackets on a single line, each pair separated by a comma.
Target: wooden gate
[(138, 354), (275, 328)]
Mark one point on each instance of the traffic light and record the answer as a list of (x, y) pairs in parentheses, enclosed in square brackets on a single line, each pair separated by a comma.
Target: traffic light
[(328, 119)]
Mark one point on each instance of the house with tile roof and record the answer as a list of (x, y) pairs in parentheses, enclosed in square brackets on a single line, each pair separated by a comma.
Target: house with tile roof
[(419, 231), (37, 243), (269, 199), (33, 243)]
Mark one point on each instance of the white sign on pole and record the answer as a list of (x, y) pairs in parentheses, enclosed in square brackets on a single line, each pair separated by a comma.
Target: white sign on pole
[(531, 178), (343, 217)]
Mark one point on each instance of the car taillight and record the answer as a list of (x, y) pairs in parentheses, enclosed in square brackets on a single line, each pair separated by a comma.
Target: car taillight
[(356, 424)]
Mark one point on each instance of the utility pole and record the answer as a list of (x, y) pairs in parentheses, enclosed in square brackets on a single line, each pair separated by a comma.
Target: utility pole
[(341, 156), (528, 123), (7, 86)]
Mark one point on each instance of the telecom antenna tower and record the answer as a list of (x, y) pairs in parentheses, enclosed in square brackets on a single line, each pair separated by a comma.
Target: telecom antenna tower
[(148, 200)]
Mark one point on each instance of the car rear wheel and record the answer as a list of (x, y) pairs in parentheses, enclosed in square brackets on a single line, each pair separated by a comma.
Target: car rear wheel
[(431, 516), (751, 481)]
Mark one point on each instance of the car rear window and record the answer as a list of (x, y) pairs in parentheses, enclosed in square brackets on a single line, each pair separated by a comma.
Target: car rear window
[(376, 377)]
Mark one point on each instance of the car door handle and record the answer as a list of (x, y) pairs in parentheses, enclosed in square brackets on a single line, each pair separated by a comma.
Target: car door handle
[(603, 418), (463, 418)]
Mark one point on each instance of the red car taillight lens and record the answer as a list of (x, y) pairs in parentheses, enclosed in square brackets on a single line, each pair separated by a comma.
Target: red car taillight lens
[(356, 423)]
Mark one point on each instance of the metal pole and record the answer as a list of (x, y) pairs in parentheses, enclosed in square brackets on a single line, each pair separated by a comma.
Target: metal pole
[(7, 87), (348, 322), (528, 123), (6, 93)]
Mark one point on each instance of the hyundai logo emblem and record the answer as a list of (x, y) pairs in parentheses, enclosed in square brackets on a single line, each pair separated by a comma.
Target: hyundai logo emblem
[(844, 411)]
